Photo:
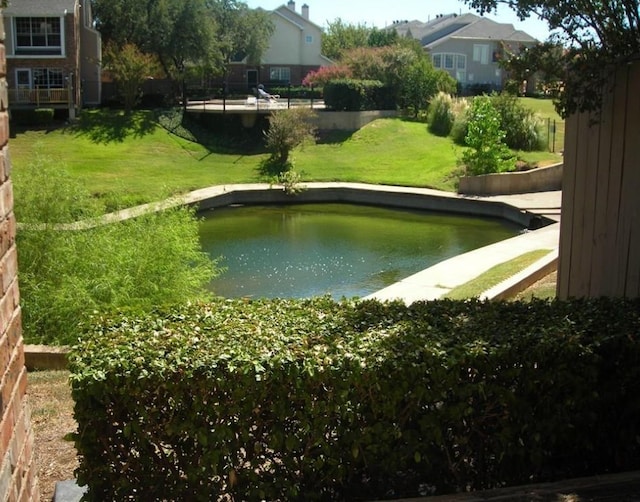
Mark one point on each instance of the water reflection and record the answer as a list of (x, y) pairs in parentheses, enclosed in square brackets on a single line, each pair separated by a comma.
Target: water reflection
[(298, 251)]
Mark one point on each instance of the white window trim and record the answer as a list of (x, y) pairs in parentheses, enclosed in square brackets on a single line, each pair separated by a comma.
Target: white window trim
[(14, 39), (481, 53), (280, 69), (457, 57)]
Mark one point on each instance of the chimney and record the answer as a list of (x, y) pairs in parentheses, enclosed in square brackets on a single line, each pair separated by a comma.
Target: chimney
[(292, 5), (305, 11)]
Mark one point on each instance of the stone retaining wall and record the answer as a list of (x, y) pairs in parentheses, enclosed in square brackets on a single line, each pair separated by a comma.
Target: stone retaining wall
[(542, 179)]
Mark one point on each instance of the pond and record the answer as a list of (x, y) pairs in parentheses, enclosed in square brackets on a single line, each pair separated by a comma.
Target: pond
[(343, 250)]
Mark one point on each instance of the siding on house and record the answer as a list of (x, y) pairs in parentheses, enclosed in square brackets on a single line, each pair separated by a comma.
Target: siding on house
[(295, 49), (468, 46)]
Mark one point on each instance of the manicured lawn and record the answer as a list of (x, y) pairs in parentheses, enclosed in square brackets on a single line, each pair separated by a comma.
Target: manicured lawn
[(138, 158), (544, 108)]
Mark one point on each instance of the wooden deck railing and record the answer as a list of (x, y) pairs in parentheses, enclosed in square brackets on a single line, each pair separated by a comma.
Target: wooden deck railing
[(38, 96)]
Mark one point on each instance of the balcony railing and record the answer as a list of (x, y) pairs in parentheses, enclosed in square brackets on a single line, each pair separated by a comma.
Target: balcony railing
[(38, 97)]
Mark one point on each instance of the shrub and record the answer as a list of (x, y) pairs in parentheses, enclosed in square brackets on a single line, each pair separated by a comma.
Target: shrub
[(487, 152), (326, 74), (441, 116), (460, 126), (287, 130), (35, 117), (297, 92), (357, 95), (67, 273), (523, 129), (317, 400)]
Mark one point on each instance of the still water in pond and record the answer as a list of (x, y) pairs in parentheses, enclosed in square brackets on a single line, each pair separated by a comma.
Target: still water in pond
[(299, 251)]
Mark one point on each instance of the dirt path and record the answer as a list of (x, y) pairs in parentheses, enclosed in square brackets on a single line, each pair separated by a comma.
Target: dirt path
[(53, 424)]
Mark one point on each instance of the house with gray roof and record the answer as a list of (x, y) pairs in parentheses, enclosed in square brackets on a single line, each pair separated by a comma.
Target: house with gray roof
[(468, 46), (53, 54)]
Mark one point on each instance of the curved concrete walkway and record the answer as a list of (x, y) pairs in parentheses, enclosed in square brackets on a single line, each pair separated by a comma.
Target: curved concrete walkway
[(438, 280)]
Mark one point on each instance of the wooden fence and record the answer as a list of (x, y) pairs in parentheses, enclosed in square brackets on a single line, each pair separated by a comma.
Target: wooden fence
[(600, 229)]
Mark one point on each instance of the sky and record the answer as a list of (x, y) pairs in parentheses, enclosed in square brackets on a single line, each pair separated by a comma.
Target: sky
[(381, 13)]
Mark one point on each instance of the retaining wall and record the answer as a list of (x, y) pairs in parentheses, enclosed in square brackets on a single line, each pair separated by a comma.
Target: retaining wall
[(542, 179), (349, 121), (360, 193)]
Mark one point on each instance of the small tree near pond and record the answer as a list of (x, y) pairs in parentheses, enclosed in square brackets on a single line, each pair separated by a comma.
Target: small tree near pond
[(288, 129), (487, 152)]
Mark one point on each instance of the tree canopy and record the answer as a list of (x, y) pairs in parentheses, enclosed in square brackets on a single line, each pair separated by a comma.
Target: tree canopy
[(597, 34), (178, 33)]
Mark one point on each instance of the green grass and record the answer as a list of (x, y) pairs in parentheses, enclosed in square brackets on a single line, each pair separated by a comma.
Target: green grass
[(546, 110), (141, 161), (495, 275)]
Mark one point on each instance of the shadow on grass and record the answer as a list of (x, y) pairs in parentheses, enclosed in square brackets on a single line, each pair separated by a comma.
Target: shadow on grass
[(113, 126), (218, 134), (333, 137), (272, 168)]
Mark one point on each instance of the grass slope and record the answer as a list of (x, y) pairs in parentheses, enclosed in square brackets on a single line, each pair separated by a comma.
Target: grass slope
[(133, 155)]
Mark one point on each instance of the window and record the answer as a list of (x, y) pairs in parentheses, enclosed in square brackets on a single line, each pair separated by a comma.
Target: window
[(48, 78), (38, 35), (280, 74), (448, 61), (308, 39), (481, 53)]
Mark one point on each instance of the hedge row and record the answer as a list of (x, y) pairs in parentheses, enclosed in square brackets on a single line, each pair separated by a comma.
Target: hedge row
[(318, 400), (33, 117), (358, 95)]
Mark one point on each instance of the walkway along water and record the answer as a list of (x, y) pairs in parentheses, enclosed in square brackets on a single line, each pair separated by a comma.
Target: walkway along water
[(533, 210)]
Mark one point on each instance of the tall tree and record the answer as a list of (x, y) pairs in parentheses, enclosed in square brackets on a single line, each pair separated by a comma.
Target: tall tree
[(177, 32), (183, 32), (241, 32), (122, 21), (340, 37)]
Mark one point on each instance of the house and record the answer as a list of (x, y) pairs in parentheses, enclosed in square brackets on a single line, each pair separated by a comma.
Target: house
[(295, 49), (53, 54), (468, 46)]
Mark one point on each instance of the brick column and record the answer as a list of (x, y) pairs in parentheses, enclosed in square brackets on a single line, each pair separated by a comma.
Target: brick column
[(18, 474)]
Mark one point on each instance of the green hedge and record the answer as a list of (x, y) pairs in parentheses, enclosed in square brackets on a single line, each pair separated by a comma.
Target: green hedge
[(296, 92), (318, 400), (358, 95), (33, 117)]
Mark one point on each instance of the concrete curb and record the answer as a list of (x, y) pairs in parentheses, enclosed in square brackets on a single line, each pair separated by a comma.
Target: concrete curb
[(45, 357), (523, 279)]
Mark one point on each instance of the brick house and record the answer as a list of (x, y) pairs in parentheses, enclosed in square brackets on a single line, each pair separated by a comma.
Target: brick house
[(53, 54), (18, 473), (295, 49)]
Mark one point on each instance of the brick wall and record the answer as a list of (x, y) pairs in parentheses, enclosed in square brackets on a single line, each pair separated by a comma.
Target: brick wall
[(18, 479)]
